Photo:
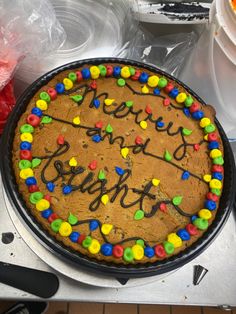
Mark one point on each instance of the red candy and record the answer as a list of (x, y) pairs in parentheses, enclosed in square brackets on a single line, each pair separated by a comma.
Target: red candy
[(93, 85), (166, 102), (79, 76), (196, 147), (163, 207), (81, 238), (60, 139), (93, 165), (33, 120), (52, 217), (217, 168), (212, 137), (138, 140), (212, 197), (136, 76), (109, 70), (52, 93), (159, 251), (194, 107), (192, 230), (118, 251), (148, 109), (25, 154), (33, 188), (169, 88), (99, 124), (47, 197)]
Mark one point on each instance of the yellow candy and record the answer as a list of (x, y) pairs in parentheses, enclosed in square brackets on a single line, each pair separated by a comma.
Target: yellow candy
[(206, 137), (68, 83), (143, 124), (65, 229), (175, 240), (94, 70), (153, 81), (42, 205), (108, 101), (26, 173), (28, 137), (205, 214), (138, 252), (106, 228), (124, 152), (204, 122), (215, 153), (125, 73), (105, 199), (181, 97), (215, 184), (94, 247), (73, 162), (76, 120), (41, 104), (207, 177), (155, 182), (145, 90)]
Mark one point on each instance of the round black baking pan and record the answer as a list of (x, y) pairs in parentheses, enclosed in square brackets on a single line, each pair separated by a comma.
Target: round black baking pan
[(63, 252)]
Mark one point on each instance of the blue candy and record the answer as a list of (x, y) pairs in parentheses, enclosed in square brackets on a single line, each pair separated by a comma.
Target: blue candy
[(149, 251), (197, 115), (74, 236), (96, 138), (86, 73), (183, 234), (217, 175), (119, 171), (194, 217), (38, 112), (25, 145), (30, 181), (143, 78), (50, 186), (93, 225), (116, 71), (213, 145), (106, 249), (46, 213), (211, 205), (160, 124), (185, 175), (174, 92), (67, 189), (156, 91), (60, 88), (96, 103), (187, 112)]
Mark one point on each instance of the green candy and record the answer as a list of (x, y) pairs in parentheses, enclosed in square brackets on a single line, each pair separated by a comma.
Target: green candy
[(101, 175), (72, 219), (121, 82), (77, 98), (186, 132), (209, 128), (216, 192), (168, 247), (129, 103), (201, 223), (24, 164), (131, 71), (140, 242), (72, 76), (27, 128), (87, 242), (167, 156), (139, 214), (109, 128), (45, 96), (128, 255), (36, 162), (46, 120), (218, 161), (103, 70), (177, 200), (35, 197), (162, 82), (188, 101), (56, 224)]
